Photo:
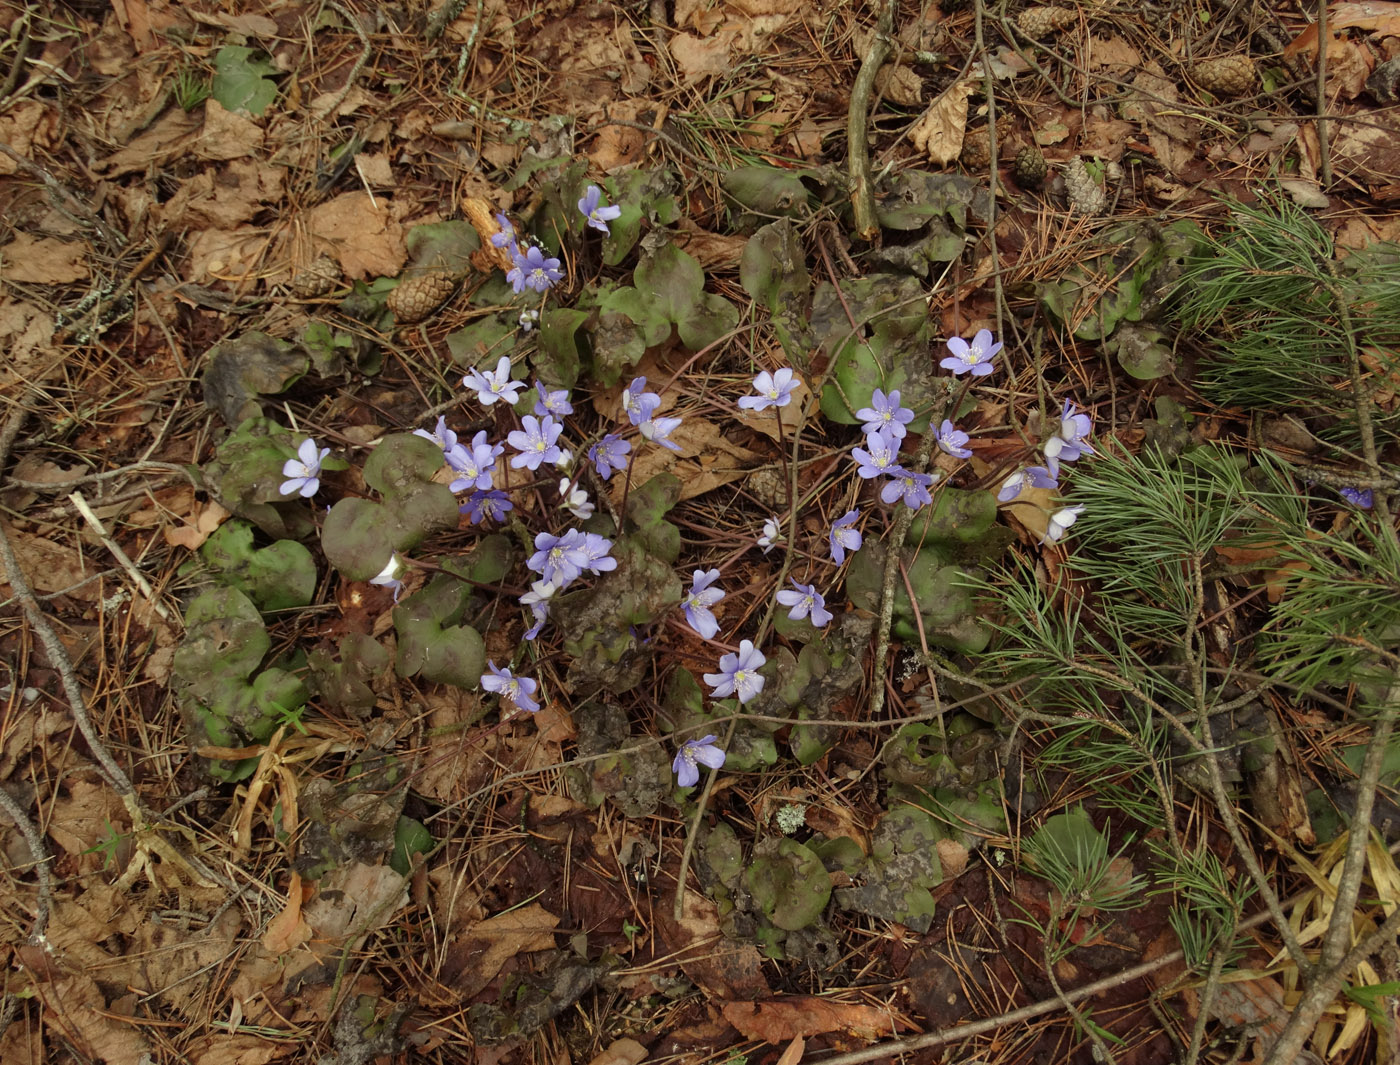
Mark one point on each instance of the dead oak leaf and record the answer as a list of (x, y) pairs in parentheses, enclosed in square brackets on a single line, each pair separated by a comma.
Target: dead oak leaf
[(75, 1010), (784, 1019)]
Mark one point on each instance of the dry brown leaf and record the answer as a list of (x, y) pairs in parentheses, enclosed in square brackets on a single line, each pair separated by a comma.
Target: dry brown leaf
[(374, 168), (492, 942), (27, 734), (792, 1054), (698, 58), (354, 898), (170, 136), (287, 930), (1268, 557), (42, 260), (365, 233), (706, 461), (50, 566), (1379, 16), (760, 8), (781, 1020), (939, 131), (1113, 54), (165, 957), (1173, 139), (226, 254), (621, 1052), (75, 1011), (226, 134), (228, 199), (220, 1048), (721, 968), (209, 517), (26, 126)]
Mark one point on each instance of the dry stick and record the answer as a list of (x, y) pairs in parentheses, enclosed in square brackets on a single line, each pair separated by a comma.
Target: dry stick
[(857, 150), (35, 842), (989, 90), (1324, 150), (124, 560)]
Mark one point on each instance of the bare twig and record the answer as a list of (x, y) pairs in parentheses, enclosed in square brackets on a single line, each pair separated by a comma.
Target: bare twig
[(138, 578), (857, 117), (1324, 150)]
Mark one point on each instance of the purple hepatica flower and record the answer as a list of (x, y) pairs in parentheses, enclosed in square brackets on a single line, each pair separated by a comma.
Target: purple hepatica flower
[(388, 577), (912, 487), (303, 473), (878, 455), (1035, 476), (441, 435), (506, 237), (558, 559), (494, 384), (697, 604), (951, 440), (1358, 497), (537, 442), (537, 599), (595, 549), (772, 535), (637, 403), (552, 402), (516, 689), (1068, 444), (844, 535), (1060, 521), (738, 674), (609, 455), (774, 390), (659, 430), (703, 751), (486, 506), (533, 270), (475, 464), (805, 601), (976, 356), (886, 414), (598, 216)]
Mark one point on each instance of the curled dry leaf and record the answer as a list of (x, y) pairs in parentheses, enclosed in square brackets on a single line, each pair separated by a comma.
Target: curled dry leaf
[(782, 1020), (939, 131)]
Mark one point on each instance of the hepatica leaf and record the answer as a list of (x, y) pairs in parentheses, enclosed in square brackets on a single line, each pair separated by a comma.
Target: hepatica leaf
[(241, 81)]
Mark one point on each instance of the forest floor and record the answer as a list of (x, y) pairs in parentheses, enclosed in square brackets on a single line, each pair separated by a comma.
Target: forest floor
[(258, 807)]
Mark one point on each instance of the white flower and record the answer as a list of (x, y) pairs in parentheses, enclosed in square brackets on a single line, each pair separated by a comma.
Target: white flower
[(576, 500), (1060, 521), (389, 576), (772, 535)]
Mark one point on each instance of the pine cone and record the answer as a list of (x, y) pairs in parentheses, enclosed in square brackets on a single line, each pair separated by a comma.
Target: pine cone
[(1030, 168), (1038, 22), (317, 278), (1232, 75), (1083, 192), (977, 144), (417, 297)]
